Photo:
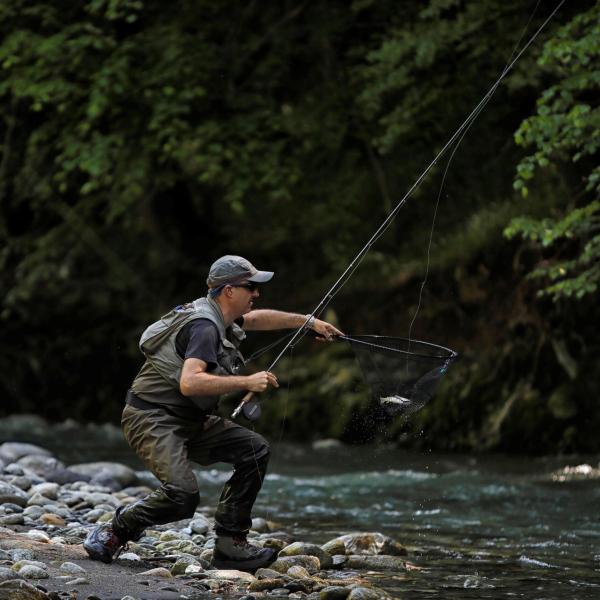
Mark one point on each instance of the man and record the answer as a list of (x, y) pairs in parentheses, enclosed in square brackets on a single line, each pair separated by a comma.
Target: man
[(192, 358)]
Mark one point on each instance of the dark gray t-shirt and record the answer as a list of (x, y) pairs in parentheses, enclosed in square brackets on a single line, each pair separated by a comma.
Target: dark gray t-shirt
[(197, 339)]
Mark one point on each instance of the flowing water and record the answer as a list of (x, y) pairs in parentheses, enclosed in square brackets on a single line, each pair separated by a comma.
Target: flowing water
[(491, 527), (475, 526)]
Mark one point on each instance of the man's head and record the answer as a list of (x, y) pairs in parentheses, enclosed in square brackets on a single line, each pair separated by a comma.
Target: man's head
[(233, 280)]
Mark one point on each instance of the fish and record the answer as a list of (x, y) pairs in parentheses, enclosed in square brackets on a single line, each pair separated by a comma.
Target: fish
[(395, 400)]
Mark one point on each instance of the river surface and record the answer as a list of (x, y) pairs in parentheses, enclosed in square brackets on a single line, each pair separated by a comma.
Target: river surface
[(488, 527), (475, 526)]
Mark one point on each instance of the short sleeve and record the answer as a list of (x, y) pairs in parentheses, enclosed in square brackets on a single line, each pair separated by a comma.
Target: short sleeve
[(199, 339)]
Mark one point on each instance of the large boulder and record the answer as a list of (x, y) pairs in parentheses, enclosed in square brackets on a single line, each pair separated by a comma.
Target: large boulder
[(40, 464), (365, 543), (12, 451), (97, 471)]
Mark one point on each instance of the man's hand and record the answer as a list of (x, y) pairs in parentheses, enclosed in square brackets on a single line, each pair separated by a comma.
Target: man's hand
[(326, 331), (258, 382)]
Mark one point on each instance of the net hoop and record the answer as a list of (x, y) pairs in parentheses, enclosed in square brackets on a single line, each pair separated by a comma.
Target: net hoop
[(442, 353)]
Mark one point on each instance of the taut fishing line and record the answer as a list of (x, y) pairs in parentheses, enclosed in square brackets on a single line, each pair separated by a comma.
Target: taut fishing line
[(250, 406)]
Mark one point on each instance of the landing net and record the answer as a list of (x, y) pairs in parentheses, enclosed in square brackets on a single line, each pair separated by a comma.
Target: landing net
[(403, 374)]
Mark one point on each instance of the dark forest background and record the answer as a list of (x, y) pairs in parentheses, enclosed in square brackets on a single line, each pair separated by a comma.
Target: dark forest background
[(141, 140)]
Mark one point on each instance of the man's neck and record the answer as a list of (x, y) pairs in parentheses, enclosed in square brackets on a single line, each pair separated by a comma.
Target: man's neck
[(228, 317)]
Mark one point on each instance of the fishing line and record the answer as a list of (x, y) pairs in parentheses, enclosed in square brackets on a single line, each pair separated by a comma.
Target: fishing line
[(506, 66), (342, 280)]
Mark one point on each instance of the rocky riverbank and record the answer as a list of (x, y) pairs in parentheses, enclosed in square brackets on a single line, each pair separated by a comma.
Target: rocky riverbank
[(47, 509)]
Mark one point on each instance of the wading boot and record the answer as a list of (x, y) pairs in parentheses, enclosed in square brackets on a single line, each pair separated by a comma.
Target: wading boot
[(106, 541), (236, 553), (103, 543)]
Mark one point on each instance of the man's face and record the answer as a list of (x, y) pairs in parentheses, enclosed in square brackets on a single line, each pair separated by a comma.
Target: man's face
[(242, 297)]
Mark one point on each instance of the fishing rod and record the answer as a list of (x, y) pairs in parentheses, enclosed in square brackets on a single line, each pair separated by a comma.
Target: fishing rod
[(250, 407)]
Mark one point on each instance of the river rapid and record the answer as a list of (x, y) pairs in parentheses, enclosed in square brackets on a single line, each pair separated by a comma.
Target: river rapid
[(476, 527)]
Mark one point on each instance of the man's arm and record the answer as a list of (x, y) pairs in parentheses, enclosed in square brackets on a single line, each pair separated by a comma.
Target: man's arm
[(195, 381), (267, 319)]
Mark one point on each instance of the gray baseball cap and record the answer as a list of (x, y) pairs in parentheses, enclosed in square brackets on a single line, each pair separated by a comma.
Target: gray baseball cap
[(233, 269)]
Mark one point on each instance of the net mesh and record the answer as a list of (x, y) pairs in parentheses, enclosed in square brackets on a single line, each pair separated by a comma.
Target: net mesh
[(403, 374)]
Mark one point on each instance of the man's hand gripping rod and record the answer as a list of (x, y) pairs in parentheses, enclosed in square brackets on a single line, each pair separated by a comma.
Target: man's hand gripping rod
[(252, 409)]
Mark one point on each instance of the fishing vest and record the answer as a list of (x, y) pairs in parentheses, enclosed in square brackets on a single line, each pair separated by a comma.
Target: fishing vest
[(158, 346)]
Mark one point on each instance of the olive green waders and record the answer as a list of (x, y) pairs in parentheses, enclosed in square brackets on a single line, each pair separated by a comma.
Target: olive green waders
[(168, 445)]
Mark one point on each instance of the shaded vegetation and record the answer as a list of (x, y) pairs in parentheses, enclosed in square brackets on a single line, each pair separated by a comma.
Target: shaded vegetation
[(140, 141)]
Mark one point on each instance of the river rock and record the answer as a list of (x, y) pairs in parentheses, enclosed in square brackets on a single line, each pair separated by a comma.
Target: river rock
[(52, 519), (181, 564), (38, 500), (363, 593), (13, 494), (38, 536), (266, 573), (78, 581), (39, 464), (64, 476), (72, 568), (200, 524), (262, 585), (20, 481), (33, 572), (298, 572), (310, 563), (334, 592), (47, 489), (17, 554), (158, 572), (123, 475), (365, 543), (301, 548), (17, 589), (129, 556), (358, 561), (7, 574), (232, 575), (12, 451), (13, 519)]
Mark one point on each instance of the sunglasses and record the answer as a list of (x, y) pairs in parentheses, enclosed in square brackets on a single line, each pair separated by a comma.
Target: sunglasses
[(249, 285)]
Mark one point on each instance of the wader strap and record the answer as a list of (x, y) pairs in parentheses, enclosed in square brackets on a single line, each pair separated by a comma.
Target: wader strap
[(135, 401)]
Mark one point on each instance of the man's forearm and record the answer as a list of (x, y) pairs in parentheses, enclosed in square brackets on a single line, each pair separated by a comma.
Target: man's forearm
[(205, 384), (267, 319)]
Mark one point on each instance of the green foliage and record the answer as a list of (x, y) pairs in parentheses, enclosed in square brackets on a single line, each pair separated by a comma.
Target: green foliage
[(139, 141), (566, 128)]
